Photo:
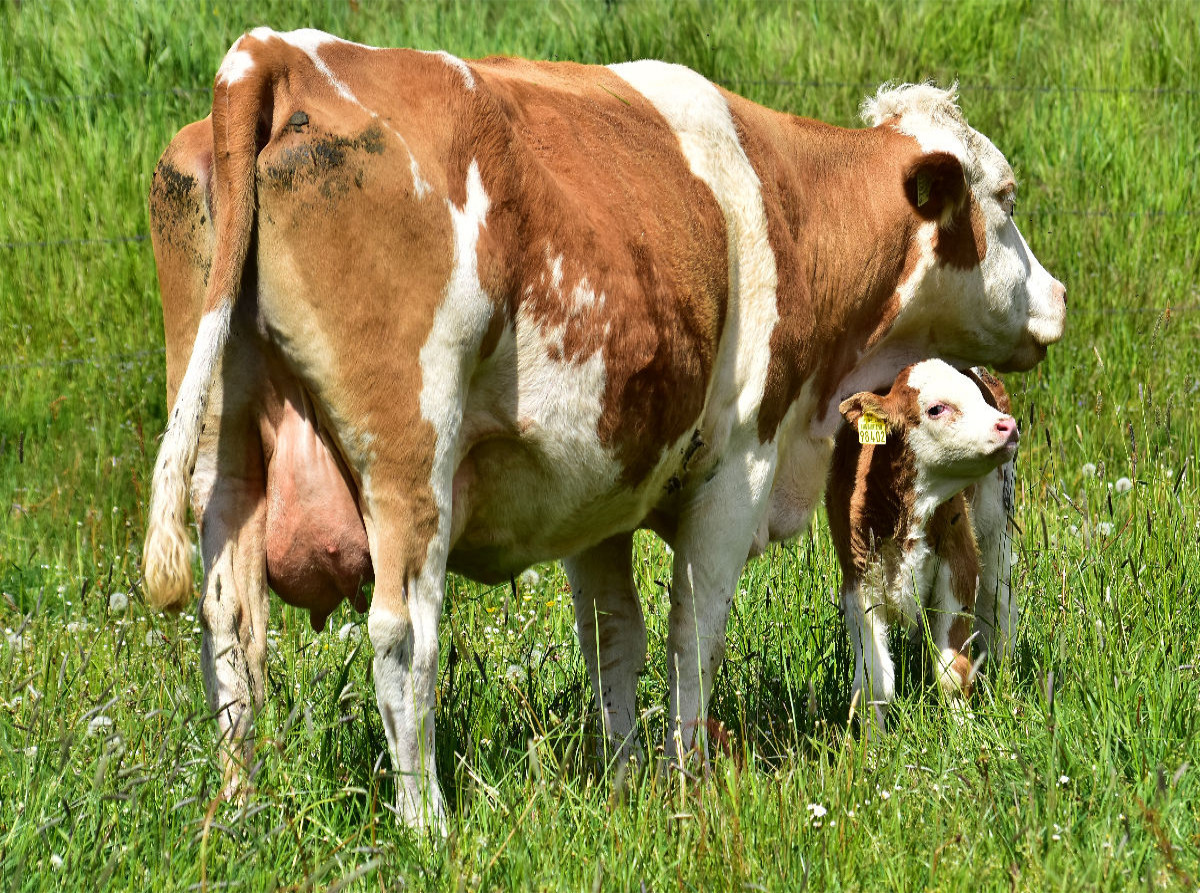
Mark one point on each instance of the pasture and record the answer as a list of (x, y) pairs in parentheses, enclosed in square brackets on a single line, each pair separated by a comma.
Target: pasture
[(1080, 767)]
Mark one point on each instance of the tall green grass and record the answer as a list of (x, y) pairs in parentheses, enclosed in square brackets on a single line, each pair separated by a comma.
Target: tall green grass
[(1078, 769)]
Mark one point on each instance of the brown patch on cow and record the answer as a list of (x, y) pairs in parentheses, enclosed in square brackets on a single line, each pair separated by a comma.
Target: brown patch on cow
[(962, 243), (838, 294), (617, 202), (961, 667)]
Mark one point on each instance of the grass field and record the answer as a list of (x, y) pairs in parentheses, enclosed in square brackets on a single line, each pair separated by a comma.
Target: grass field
[(1080, 769)]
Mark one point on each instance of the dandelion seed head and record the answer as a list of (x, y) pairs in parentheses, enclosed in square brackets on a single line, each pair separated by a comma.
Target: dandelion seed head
[(1123, 485), (1089, 469), (118, 602)]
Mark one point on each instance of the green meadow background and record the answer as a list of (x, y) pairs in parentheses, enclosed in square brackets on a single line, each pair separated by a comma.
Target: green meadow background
[(1078, 769)]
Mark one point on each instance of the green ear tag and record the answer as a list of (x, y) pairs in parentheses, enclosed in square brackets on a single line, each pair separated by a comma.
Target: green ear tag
[(872, 429), (924, 186)]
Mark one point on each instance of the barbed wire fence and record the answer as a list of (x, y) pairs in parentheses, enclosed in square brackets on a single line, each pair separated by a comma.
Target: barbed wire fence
[(115, 96)]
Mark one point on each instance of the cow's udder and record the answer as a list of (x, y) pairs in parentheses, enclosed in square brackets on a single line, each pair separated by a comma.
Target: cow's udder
[(317, 551)]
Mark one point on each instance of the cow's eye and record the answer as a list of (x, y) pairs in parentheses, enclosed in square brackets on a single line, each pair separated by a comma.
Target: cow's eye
[(936, 410)]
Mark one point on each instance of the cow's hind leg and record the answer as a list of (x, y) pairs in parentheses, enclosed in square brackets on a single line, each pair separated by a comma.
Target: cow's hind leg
[(612, 635), (233, 611)]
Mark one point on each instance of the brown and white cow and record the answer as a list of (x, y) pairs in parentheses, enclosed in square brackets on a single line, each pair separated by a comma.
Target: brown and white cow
[(914, 515), (426, 314)]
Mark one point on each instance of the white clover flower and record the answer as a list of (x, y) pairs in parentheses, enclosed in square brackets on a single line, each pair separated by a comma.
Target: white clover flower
[(885, 794), (1064, 780), (98, 724), (118, 602), (818, 811), (1089, 469), (56, 861), (1123, 485), (350, 631)]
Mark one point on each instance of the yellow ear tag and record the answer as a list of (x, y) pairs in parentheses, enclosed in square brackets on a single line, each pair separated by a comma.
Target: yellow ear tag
[(924, 187), (872, 429)]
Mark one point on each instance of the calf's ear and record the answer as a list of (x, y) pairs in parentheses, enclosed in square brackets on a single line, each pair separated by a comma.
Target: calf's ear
[(866, 403), (991, 387), (936, 186)]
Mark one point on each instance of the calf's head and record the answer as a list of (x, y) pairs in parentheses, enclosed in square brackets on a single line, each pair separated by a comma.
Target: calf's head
[(976, 293), (949, 424)]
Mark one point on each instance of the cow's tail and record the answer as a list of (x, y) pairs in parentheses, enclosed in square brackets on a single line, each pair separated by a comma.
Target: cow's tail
[(241, 105)]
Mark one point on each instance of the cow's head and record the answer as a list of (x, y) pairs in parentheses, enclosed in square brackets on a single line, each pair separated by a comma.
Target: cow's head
[(976, 295)]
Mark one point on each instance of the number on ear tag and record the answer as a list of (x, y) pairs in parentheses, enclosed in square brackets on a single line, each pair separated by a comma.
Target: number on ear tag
[(872, 429)]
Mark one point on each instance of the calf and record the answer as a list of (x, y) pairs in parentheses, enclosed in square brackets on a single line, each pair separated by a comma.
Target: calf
[(902, 524)]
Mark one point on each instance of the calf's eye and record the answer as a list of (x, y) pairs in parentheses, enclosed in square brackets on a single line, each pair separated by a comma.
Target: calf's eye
[(936, 410)]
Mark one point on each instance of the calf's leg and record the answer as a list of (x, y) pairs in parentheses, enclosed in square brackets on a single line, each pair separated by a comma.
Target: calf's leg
[(874, 684)]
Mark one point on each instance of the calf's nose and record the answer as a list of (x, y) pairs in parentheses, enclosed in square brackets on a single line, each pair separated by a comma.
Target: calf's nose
[(1007, 428)]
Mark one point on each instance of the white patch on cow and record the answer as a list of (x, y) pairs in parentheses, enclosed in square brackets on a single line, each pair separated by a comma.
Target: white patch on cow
[(235, 66), (420, 185), (457, 64), (708, 137), (461, 317), (583, 296), (559, 403), (556, 272)]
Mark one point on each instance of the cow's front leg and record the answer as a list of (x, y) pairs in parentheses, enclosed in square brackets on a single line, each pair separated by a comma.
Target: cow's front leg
[(612, 635), (716, 528), (232, 612), (996, 608)]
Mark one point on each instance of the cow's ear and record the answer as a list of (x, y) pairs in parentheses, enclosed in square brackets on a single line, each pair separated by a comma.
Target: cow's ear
[(991, 387), (866, 403), (936, 186)]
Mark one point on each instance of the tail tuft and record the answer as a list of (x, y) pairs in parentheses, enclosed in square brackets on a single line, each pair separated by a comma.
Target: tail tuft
[(166, 560)]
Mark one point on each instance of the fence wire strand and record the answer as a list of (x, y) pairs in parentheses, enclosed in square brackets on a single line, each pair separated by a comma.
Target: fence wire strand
[(964, 86)]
